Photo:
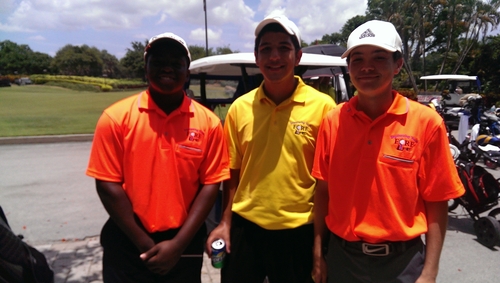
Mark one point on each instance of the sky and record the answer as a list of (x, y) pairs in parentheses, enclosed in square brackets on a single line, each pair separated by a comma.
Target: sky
[(48, 25)]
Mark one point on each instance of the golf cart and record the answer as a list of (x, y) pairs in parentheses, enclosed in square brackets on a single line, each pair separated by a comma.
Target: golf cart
[(449, 89), (337, 75), (216, 81), (455, 94)]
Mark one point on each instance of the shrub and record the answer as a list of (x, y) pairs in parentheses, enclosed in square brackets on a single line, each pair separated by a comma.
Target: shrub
[(74, 86), (101, 84), (106, 88)]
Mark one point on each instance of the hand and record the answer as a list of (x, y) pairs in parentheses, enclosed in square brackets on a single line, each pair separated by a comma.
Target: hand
[(319, 272), (162, 257), (222, 231)]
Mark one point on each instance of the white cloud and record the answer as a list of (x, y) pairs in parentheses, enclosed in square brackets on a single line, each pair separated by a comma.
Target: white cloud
[(37, 37), (230, 22), (11, 28), (319, 17), (214, 37), (314, 17), (272, 6), (162, 19), (7, 6), (142, 36)]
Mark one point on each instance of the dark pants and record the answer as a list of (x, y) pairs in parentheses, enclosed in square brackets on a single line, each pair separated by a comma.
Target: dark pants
[(348, 263), (121, 262), (284, 256)]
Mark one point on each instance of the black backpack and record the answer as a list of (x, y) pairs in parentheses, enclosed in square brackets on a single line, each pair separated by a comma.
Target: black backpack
[(19, 262), (481, 188)]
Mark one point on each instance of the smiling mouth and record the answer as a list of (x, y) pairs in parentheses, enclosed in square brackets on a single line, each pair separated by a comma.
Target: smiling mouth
[(275, 68), (367, 78), (167, 77)]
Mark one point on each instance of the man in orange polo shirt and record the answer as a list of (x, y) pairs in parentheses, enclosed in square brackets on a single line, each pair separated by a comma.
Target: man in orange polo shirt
[(385, 173), (158, 158)]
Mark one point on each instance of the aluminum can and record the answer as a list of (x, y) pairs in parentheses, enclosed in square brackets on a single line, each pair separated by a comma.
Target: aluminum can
[(218, 253)]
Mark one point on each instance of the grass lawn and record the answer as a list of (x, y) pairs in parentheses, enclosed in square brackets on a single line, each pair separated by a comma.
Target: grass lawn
[(42, 110)]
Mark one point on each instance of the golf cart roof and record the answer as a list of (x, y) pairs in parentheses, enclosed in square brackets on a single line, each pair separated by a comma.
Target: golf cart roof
[(449, 77), (230, 64)]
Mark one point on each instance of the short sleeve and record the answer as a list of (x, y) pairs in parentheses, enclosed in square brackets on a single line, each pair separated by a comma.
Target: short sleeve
[(438, 177), (106, 155), (215, 167), (322, 152)]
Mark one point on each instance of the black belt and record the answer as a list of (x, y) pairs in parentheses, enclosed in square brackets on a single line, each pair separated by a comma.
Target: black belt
[(379, 249)]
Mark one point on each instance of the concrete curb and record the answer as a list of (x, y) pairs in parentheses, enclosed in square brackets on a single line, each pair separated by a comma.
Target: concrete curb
[(46, 139)]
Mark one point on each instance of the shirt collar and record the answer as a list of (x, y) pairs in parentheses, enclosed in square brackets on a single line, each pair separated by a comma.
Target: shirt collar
[(145, 102), (400, 104)]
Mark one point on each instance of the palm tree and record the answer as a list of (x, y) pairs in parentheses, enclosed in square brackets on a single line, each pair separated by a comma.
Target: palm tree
[(478, 21)]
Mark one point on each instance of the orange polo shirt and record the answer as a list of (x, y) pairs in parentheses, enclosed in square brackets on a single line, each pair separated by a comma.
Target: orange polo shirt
[(380, 172), (160, 160)]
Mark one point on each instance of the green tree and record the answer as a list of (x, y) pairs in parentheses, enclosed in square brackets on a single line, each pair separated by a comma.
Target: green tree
[(40, 63), (333, 38), (477, 21), (224, 50), (111, 66), (14, 58), (78, 60), (133, 61), (345, 31), (198, 52), (443, 31), (485, 65)]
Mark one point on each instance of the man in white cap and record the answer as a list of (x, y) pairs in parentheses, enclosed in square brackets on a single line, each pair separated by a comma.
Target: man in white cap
[(385, 174), (158, 158), (271, 133)]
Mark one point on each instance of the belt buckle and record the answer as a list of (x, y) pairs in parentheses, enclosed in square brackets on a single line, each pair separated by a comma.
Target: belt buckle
[(375, 249)]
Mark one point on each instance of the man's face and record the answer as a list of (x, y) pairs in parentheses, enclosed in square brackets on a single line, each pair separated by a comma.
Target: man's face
[(372, 69), (276, 56), (167, 69)]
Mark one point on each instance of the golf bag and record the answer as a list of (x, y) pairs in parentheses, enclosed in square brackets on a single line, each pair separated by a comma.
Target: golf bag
[(19, 262), (481, 188)]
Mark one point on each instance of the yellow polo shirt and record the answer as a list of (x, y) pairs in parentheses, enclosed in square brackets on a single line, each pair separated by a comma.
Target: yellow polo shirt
[(273, 146)]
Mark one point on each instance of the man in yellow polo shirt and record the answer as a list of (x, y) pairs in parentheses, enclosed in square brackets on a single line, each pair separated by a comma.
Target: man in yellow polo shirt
[(385, 174), (271, 134)]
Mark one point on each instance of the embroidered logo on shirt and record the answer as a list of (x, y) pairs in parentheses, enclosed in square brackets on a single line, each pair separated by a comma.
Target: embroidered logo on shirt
[(301, 128), (194, 135), (367, 33), (404, 142)]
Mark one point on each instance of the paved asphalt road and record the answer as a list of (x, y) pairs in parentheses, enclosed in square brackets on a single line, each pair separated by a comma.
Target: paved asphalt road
[(48, 199), (45, 193)]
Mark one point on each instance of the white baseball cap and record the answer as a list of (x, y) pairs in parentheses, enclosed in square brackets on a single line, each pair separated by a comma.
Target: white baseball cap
[(288, 25), (375, 33), (168, 36)]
